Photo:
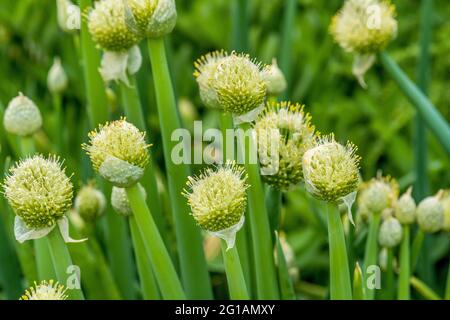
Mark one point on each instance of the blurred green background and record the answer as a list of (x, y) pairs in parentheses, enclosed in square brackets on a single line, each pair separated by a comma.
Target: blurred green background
[(378, 120)]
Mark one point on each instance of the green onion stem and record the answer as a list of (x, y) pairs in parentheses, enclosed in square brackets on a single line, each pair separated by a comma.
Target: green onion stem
[(371, 253), (235, 276), (358, 287), (165, 273), (285, 55), (148, 281), (340, 284), (61, 259), (423, 289), (259, 221), (416, 248), (59, 120), (287, 291), (447, 288), (405, 265), (430, 115), (390, 276), (192, 259), (273, 203)]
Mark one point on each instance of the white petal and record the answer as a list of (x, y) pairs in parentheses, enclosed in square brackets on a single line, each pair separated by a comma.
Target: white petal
[(23, 233), (134, 61), (114, 66), (348, 201), (229, 234), (63, 225)]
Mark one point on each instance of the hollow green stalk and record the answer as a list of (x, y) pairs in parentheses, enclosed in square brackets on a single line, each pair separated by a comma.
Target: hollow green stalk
[(287, 291), (273, 203), (371, 253), (165, 273), (447, 288), (390, 277), (430, 115), (266, 283), (146, 276), (61, 261), (405, 264), (97, 108), (416, 248), (193, 265), (239, 16), (235, 276), (340, 284), (423, 75), (285, 55), (57, 105), (423, 289)]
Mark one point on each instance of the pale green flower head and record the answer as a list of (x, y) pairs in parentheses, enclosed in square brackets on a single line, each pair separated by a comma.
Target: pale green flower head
[(446, 205), (45, 290), (152, 18), (22, 117), (378, 194), (205, 68), (405, 208), (430, 214), (90, 202), (218, 197), (39, 191), (274, 78), (390, 233), (120, 203), (331, 170), (118, 152), (364, 26), (238, 84), (284, 133), (108, 27), (57, 80)]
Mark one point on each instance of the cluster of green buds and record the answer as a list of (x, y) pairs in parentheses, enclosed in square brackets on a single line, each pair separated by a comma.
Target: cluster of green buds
[(40, 194), (391, 232), (364, 27), (22, 117), (118, 152), (57, 80), (430, 213), (90, 202), (45, 290), (120, 202), (232, 83), (218, 199), (284, 133)]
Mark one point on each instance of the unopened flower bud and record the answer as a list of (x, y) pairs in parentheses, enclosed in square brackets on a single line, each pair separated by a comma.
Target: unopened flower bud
[(118, 152), (90, 203), (120, 203), (390, 233), (274, 78), (57, 78), (430, 214), (22, 117), (378, 194), (68, 15), (405, 208)]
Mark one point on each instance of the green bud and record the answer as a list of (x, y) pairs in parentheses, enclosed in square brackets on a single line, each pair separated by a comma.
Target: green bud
[(430, 214), (390, 233), (120, 203), (22, 117), (274, 78), (57, 78), (378, 194), (90, 203), (405, 208)]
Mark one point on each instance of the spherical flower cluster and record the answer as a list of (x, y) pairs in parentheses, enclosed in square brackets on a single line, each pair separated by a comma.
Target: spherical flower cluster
[(331, 170), (152, 18), (120, 203), (39, 191), (22, 117), (109, 28), (430, 214), (274, 78), (378, 194), (232, 83), (218, 197), (390, 233), (90, 202), (57, 78), (364, 26), (405, 208), (46, 290), (284, 133), (118, 152)]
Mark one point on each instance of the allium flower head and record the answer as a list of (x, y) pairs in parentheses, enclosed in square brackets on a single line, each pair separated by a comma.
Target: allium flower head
[(238, 84), (331, 170), (378, 194), (274, 78), (152, 18), (364, 26), (120, 203), (108, 26), (284, 133), (205, 68), (39, 191), (118, 151), (22, 117), (430, 214), (46, 290), (405, 208), (218, 197), (90, 202), (390, 233)]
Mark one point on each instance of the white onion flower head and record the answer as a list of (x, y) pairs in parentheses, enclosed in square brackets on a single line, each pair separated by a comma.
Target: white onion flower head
[(22, 117), (274, 78), (430, 214), (120, 203), (90, 202), (57, 80), (118, 152), (45, 290), (405, 208)]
